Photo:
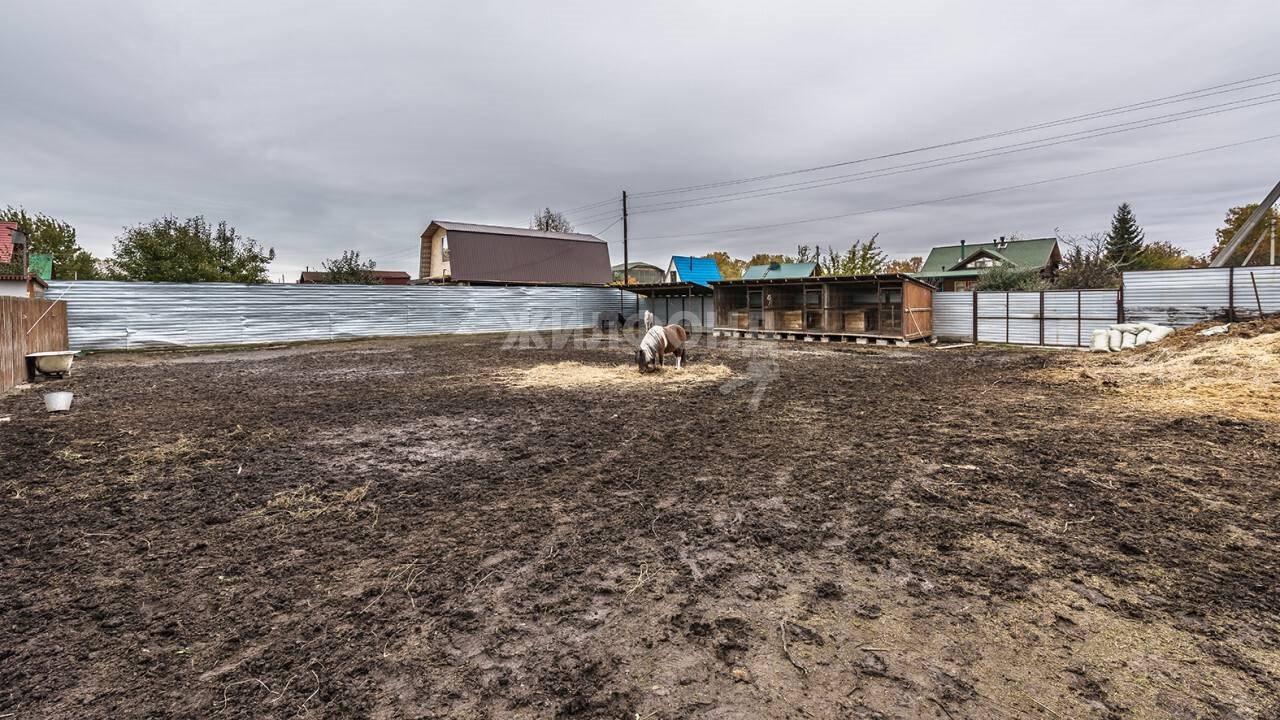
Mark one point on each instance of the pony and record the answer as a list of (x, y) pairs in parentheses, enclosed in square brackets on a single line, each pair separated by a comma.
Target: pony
[(658, 342)]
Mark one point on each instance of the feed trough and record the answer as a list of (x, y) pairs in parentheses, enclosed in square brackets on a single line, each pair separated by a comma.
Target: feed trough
[(55, 363)]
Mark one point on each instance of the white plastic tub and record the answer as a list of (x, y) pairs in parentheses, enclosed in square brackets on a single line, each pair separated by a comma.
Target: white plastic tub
[(57, 401)]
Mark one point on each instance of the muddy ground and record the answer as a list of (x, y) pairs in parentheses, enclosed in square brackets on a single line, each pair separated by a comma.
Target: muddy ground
[(446, 527)]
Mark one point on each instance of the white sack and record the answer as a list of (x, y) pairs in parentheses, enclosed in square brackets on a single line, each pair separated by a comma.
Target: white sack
[(1144, 337), (1128, 341), (1218, 330), (1099, 343), (1134, 328), (1114, 339), (1160, 332)]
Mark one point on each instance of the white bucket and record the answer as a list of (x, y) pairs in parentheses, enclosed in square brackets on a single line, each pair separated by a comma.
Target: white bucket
[(57, 401)]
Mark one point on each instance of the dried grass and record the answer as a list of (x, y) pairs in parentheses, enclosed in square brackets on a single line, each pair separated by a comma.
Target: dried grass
[(578, 375), (1235, 375), (303, 503)]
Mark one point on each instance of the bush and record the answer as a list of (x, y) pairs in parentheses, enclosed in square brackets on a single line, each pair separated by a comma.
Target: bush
[(1004, 277)]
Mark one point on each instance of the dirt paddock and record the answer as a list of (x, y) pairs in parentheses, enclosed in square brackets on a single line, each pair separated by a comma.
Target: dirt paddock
[(449, 527)]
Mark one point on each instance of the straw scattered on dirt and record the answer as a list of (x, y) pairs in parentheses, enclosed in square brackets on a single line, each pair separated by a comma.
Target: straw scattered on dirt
[(1236, 374), (571, 374)]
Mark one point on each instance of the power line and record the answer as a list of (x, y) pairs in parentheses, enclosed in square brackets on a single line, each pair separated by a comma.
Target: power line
[(588, 206), (963, 196), (606, 227), (1146, 104), (961, 157)]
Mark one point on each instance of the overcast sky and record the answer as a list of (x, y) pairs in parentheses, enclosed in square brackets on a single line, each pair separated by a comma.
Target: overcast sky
[(315, 129)]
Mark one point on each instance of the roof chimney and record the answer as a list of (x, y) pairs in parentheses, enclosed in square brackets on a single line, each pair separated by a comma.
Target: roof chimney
[(962, 248)]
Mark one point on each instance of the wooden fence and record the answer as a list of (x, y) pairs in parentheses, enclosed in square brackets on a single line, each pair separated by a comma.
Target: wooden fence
[(27, 326)]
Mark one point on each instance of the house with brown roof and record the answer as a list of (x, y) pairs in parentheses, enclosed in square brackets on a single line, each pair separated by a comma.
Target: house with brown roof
[(489, 254), (380, 277)]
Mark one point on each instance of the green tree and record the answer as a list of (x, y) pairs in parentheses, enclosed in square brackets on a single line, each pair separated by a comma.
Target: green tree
[(764, 259), (50, 236), (191, 250), (862, 258), (1125, 239), (1162, 255), (1262, 236), (550, 221), (910, 265), (349, 270), (730, 267)]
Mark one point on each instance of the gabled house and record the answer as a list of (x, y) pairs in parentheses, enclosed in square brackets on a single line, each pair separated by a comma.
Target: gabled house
[(495, 254), (776, 270), (958, 267), (639, 272), (696, 270)]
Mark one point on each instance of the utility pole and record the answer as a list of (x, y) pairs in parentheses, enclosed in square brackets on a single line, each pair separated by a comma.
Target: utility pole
[(626, 258)]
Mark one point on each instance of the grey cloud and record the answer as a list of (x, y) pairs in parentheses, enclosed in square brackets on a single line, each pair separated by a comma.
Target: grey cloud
[(316, 129)]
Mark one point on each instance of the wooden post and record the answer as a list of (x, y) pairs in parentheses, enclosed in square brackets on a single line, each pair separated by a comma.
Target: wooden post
[(1006, 317), (1120, 301)]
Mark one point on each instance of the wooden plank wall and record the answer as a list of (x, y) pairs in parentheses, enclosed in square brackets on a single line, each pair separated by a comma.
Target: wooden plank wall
[(917, 311), (17, 317)]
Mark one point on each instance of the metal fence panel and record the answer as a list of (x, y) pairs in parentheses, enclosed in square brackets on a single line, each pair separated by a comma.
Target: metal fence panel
[(1176, 297), (128, 315), (953, 316), (1069, 316), (1266, 279)]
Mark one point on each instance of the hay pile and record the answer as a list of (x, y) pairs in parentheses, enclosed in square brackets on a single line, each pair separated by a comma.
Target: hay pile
[(578, 375), (1235, 375)]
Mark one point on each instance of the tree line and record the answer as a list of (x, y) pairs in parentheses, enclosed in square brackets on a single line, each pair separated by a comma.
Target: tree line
[(164, 249), (197, 250)]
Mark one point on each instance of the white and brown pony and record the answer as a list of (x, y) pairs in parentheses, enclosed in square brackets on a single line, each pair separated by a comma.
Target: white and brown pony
[(658, 342)]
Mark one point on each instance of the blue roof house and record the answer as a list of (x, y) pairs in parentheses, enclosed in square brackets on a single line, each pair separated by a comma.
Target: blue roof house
[(697, 270)]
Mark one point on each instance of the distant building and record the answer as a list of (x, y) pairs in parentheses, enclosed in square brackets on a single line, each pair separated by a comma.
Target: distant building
[(776, 270), (641, 273), (696, 270), (12, 242), (27, 286), (380, 277), (465, 252), (958, 267)]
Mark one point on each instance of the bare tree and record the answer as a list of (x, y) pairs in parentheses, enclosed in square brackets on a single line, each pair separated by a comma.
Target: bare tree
[(550, 221)]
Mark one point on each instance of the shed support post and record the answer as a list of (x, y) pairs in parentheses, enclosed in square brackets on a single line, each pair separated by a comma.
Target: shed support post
[(1120, 301)]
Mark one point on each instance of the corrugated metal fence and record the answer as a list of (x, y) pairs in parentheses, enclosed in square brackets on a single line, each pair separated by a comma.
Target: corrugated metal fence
[(127, 315), (1186, 297), (1065, 318)]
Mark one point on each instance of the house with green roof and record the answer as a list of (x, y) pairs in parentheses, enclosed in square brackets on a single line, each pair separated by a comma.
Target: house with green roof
[(776, 270), (958, 267)]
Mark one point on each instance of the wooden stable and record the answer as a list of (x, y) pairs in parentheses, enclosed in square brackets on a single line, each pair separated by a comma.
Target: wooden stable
[(884, 308), (28, 326)]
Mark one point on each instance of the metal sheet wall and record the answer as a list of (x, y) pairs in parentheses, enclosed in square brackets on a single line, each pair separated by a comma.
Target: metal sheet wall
[(953, 316), (1186, 297), (1069, 316), (128, 315)]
